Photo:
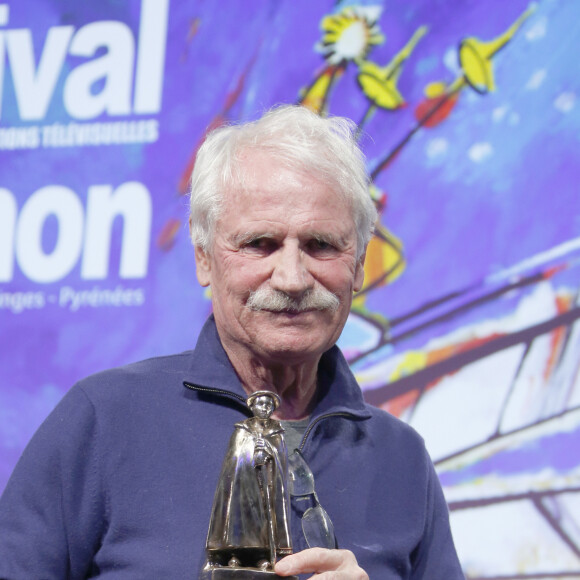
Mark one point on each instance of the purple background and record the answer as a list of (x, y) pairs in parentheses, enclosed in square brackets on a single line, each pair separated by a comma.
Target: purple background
[(474, 343)]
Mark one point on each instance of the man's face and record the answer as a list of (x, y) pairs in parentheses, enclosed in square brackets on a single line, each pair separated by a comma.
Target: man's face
[(284, 233)]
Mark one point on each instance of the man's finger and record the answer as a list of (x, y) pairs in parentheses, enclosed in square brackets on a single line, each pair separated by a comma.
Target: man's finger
[(320, 560)]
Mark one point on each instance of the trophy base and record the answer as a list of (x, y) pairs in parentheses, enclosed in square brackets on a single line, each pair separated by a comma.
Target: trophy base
[(227, 573)]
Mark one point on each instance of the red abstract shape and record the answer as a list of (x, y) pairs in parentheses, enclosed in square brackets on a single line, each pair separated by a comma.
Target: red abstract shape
[(183, 185), (218, 121), (166, 238), (430, 112)]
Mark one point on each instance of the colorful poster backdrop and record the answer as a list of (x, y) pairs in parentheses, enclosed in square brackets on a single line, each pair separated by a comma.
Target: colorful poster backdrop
[(467, 326)]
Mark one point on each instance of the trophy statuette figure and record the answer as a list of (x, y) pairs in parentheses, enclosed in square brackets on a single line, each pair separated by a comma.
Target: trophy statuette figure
[(250, 522)]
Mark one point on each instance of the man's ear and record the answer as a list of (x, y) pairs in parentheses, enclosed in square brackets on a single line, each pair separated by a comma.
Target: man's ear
[(359, 273), (202, 266), (202, 263)]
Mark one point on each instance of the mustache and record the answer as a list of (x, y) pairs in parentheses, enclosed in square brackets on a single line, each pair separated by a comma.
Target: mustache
[(316, 298)]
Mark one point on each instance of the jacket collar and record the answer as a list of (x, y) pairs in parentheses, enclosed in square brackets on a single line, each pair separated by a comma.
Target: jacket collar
[(338, 391)]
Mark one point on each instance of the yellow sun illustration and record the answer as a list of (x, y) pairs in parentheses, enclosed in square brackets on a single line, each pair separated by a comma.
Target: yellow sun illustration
[(350, 34)]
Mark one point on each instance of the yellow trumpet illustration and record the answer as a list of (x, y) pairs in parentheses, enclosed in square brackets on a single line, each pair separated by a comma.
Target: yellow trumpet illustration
[(379, 84), (475, 56), (316, 96), (385, 260)]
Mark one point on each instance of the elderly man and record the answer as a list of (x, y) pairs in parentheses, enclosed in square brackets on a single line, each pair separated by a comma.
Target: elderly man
[(119, 481)]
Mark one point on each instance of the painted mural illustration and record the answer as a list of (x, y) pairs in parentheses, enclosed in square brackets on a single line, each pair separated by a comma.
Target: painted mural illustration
[(467, 324)]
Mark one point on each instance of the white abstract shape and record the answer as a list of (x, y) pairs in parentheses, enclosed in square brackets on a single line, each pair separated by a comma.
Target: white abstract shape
[(537, 30), (358, 336), (536, 260), (352, 42), (470, 400), (451, 60), (514, 119), (498, 540), (4, 14), (480, 152), (565, 102), (437, 147), (574, 400), (499, 113), (371, 13), (564, 383), (537, 307), (498, 486), (527, 401), (537, 79), (565, 509), (472, 97)]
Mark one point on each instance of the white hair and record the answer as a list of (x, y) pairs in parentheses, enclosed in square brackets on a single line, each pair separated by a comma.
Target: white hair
[(325, 148)]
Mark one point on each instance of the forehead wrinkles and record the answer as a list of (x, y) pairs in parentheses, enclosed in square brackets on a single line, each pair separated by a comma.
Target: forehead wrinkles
[(275, 204), (250, 167), (248, 162)]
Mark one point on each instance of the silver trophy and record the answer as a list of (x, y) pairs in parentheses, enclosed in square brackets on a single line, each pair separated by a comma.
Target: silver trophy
[(250, 521)]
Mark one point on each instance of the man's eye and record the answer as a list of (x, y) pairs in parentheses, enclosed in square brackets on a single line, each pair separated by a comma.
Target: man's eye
[(320, 245), (260, 244)]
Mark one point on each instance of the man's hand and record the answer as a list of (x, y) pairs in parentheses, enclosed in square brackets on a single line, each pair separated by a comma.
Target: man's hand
[(324, 564)]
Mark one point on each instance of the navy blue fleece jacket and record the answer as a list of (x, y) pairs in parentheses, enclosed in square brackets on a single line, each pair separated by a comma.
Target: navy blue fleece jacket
[(118, 482)]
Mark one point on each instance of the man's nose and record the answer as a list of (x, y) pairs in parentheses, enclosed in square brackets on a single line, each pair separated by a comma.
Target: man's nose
[(290, 273)]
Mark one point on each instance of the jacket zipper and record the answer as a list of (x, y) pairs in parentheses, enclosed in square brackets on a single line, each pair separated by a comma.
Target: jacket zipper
[(216, 391), (243, 401), (316, 421)]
